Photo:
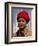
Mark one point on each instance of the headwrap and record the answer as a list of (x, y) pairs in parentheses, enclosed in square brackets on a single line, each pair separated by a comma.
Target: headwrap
[(23, 14)]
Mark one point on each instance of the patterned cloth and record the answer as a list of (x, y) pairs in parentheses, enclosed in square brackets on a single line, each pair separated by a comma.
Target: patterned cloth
[(25, 33)]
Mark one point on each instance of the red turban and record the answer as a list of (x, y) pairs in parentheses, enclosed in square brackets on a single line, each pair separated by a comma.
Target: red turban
[(23, 14)]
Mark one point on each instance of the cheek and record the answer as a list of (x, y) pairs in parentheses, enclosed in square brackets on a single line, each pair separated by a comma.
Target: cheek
[(21, 24), (24, 24)]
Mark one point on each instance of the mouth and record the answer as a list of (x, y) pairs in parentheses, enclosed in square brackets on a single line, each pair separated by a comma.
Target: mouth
[(21, 26)]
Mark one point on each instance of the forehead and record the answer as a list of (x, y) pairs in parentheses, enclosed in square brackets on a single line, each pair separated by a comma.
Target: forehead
[(21, 19)]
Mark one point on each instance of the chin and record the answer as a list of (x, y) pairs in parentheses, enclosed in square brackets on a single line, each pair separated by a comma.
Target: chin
[(21, 27)]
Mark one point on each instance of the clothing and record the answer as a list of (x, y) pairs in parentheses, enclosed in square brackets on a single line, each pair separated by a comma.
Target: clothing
[(23, 14), (23, 33)]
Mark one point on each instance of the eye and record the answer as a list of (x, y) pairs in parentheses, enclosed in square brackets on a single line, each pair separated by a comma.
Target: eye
[(22, 20), (19, 21)]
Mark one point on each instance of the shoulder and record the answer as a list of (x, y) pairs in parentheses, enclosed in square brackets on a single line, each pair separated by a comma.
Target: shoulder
[(29, 32), (17, 33)]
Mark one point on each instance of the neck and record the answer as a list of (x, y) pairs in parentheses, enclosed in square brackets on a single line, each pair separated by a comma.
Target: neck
[(22, 29)]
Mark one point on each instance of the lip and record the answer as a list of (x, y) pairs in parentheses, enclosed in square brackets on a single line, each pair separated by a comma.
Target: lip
[(20, 25)]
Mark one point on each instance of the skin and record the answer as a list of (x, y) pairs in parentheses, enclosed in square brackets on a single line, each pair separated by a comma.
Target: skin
[(21, 23)]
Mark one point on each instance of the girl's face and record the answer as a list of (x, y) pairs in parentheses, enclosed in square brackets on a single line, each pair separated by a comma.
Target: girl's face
[(21, 23)]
